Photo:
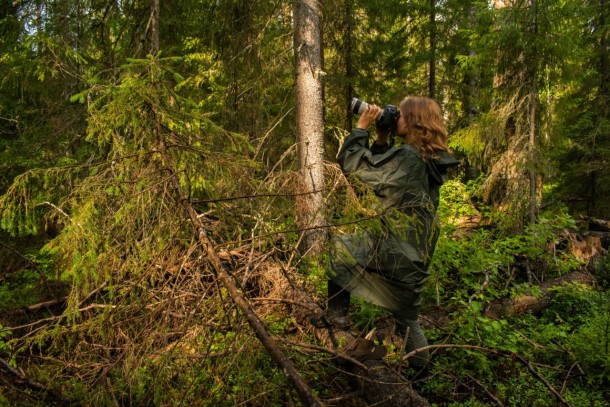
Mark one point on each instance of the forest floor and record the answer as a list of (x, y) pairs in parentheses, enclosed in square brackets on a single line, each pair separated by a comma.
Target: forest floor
[(496, 350)]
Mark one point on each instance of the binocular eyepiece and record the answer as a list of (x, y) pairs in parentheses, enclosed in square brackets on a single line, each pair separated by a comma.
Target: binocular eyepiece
[(388, 118)]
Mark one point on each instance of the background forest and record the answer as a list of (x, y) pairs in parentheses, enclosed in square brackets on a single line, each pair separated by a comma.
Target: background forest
[(150, 175)]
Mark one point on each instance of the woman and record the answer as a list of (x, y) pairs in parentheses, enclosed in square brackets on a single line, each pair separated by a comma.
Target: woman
[(388, 266)]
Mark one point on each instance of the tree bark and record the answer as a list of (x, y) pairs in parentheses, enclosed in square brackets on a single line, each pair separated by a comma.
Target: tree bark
[(603, 95), (310, 123), (533, 145), (349, 69), (432, 61), (604, 58), (472, 85), (154, 27)]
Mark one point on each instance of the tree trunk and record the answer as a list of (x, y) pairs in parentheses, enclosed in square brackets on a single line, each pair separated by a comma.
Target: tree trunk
[(310, 123), (533, 197), (432, 61), (440, 317), (604, 58), (603, 96), (349, 69), (154, 27), (472, 85)]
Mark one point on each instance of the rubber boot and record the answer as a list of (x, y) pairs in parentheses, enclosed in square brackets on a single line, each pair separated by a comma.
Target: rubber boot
[(337, 310), (416, 340)]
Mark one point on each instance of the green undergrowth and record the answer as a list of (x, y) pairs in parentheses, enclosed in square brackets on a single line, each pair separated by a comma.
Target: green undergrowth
[(147, 322), (515, 360), (518, 361), (486, 263), (236, 370)]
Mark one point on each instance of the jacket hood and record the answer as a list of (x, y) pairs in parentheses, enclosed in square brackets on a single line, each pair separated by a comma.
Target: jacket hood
[(437, 167)]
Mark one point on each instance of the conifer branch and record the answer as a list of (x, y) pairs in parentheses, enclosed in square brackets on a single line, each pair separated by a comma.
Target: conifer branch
[(254, 321)]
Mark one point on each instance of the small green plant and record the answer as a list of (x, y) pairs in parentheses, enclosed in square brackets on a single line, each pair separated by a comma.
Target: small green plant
[(590, 341), (365, 313), (602, 272), (4, 333), (455, 202)]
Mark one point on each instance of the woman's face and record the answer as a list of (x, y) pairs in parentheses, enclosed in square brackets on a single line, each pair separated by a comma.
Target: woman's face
[(401, 126)]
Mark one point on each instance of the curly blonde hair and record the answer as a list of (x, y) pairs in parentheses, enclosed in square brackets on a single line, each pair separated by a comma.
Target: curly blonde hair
[(425, 125)]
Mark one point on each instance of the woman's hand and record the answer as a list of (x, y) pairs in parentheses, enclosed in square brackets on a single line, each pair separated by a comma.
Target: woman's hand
[(369, 116)]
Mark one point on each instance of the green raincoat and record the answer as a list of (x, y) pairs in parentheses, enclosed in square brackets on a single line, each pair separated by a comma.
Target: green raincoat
[(388, 266)]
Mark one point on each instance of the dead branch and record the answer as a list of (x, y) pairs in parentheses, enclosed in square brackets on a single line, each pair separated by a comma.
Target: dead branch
[(339, 400), (486, 390), (331, 351), (540, 378), (527, 302), (31, 384), (58, 209), (54, 318), (61, 300), (600, 225), (36, 307), (270, 195), (283, 300), (253, 320), (481, 289)]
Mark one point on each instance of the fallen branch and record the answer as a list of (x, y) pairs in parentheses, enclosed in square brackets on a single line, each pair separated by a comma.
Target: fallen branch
[(541, 379), (54, 318), (338, 400), (600, 225), (31, 384), (528, 303), (331, 351), (36, 307), (283, 300), (61, 300), (486, 390), (254, 321)]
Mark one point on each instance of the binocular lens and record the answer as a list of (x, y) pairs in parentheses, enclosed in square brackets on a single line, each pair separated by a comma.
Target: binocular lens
[(357, 106), (387, 119)]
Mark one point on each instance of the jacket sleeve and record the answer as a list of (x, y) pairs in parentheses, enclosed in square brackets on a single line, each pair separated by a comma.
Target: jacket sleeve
[(355, 149), (355, 153)]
